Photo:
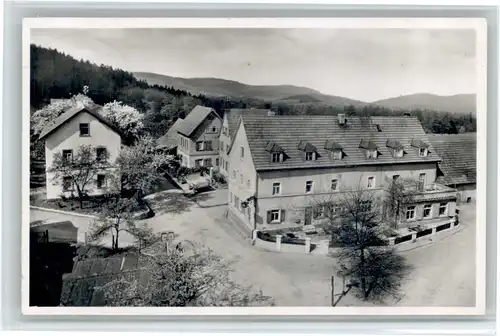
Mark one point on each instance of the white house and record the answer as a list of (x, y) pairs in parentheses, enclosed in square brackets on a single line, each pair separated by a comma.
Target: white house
[(79, 125)]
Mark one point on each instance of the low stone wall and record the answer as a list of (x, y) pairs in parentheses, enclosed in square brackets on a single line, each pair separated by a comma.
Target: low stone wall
[(278, 244)]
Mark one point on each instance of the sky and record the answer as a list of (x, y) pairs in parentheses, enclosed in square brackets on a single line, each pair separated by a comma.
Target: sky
[(362, 64)]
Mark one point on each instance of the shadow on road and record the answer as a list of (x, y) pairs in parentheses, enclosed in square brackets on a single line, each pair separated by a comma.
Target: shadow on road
[(174, 203)]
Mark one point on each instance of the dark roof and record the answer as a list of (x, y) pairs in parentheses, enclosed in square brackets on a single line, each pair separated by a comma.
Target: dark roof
[(72, 112), (306, 146), (233, 118), (194, 119), (331, 145), (288, 131), (170, 139), (78, 287), (367, 144), (458, 153), (394, 144)]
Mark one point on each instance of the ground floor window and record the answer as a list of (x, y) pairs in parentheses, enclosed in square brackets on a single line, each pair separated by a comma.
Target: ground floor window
[(443, 206), (217, 162), (198, 163), (410, 212), (274, 216), (427, 211)]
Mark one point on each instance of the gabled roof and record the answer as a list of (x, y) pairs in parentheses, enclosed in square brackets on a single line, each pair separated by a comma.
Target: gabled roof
[(306, 146), (73, 112), (394, 144), (458, 153), (367, 144), (194, 119), (287, 131), (332, 145), (233, 118), (170, 139), (78, 287)]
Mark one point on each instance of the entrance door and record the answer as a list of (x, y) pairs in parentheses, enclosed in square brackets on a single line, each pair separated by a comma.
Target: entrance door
[(308, 216)]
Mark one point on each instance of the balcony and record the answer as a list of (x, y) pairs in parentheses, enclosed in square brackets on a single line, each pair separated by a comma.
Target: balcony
[(433, 192)]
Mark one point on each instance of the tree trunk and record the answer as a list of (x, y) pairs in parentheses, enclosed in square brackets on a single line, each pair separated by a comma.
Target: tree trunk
[(362, 267)]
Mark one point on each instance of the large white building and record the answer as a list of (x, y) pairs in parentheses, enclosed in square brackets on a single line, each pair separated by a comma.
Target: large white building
[(79, 125)]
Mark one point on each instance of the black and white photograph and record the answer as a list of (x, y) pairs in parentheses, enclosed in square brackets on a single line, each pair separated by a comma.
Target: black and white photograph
[(255, 166)]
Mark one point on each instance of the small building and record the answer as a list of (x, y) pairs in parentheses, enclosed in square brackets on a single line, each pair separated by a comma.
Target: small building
[(198, 138), (279, 166), (169, 142), (229, 128), (458, 166), (79, 125)]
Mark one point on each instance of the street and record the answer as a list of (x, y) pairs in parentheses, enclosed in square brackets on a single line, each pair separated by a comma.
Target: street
[(443, 275)]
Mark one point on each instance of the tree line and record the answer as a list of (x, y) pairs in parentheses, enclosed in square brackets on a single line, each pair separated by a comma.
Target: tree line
[(57, 75)]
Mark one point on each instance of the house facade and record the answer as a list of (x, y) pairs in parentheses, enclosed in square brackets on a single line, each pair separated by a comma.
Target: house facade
[(198, 138), (281, 168), (229, 128), (458, 166), (80, 125)]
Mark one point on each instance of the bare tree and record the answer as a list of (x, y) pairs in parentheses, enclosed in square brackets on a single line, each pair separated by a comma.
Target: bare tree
[(365, 257), (79, 168), (172, 276), (118, 216), (400, 192)]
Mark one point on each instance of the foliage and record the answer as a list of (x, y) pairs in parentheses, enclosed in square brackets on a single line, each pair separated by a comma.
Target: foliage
[(56, 75), (82, 168), (47, 115), (399, 193), (117, 216), (364, 256), (181, 275), (126, 118), (141, 166)]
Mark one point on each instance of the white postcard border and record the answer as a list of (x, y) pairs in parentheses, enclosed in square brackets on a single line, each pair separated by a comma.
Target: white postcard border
[(478, 24)]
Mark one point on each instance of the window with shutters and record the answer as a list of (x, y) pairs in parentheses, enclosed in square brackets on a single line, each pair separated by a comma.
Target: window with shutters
[(200, 146), (276, 188), (410, 212), (275, 216), (208, 146), (207, 162)]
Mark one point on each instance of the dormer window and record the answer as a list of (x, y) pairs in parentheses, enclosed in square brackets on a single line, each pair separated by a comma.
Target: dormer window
[(371, 154), (310, 151), (396, 148), (335, 149), (276, 152), (423, 148), (370, 148)]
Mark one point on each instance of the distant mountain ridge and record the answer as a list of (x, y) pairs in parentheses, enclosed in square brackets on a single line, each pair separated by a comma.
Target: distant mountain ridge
[(217, 87), (460, 103)]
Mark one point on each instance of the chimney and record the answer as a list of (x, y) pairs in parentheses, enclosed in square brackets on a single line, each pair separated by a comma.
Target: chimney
[(341, 118), (271, 113)]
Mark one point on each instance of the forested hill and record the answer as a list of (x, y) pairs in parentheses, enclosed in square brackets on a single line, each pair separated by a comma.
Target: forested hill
[(57, 75)]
